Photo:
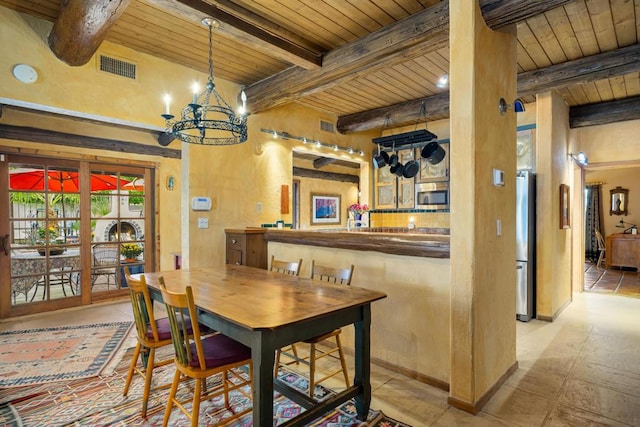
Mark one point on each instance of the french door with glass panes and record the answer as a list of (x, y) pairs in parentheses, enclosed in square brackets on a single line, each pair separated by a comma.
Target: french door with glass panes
[(69, 229)]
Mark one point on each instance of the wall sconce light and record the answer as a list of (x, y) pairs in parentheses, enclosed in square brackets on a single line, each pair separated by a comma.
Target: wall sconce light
[(503, 106), (580, 158)]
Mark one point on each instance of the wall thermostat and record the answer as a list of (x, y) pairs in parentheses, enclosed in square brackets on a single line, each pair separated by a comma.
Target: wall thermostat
[(201, 203)]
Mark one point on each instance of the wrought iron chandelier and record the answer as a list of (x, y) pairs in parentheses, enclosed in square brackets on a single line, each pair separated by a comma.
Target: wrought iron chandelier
[(203, 122)]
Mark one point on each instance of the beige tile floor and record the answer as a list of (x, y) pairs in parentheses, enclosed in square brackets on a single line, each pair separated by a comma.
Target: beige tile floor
[(582, 369)]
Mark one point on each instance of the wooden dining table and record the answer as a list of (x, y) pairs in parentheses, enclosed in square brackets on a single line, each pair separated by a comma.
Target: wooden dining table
[(265, 311)]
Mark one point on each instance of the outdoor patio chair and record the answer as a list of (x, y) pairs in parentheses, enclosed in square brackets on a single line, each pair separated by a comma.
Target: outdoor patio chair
[(199, 358), (23, 285), (106, 261)]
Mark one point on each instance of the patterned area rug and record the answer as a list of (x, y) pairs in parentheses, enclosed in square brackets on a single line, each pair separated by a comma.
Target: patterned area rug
[(98, 401), (38, 356)]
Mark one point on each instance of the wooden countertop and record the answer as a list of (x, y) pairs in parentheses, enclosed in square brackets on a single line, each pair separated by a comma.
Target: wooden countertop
[(420, 245)]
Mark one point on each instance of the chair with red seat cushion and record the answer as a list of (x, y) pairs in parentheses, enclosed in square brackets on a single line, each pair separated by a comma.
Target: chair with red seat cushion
[(151, 333), (199, 358)]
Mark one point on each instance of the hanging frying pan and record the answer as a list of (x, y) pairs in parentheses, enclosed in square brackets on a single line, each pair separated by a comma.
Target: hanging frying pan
[(411, 168)]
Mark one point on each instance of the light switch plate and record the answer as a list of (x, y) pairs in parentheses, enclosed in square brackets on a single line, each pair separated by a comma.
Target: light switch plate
[(203, 222), (498, 177)]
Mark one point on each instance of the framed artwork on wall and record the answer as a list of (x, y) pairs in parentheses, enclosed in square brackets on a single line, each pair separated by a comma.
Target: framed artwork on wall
[(565, 214), (325, 209)]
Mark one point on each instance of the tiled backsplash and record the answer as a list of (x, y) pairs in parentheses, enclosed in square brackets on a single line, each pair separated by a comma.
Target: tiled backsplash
[(401, 219)]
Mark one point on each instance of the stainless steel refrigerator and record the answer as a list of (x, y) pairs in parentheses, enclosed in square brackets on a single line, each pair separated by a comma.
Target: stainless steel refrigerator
[(525, 245)]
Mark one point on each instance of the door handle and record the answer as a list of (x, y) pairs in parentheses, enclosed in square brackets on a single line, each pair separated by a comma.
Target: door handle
[(519, 267), (4, 244)]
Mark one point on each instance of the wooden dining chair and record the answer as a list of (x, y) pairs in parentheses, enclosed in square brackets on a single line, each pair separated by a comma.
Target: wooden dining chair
[(286, 267), (151, 334), (199, 358), (601, 247), (332, 275)]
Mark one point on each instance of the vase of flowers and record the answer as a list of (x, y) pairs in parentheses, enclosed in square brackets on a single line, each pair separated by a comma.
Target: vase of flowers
[(130, 251), (357, 210)]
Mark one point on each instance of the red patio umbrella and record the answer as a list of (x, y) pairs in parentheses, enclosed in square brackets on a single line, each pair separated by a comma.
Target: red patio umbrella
[(24, 179), (59, 180), (137, 185)]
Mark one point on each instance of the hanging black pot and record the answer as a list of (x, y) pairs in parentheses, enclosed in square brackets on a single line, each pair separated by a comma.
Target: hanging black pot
[(397, 168), (386, 157), (393, 160), (379, 160), (410, 169), (433, 152)]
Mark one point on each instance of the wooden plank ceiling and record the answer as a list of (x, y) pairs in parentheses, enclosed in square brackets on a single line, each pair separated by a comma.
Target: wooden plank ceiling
[(344, 48)]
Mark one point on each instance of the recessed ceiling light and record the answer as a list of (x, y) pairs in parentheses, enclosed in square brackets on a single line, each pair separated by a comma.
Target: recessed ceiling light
[(443, 81)]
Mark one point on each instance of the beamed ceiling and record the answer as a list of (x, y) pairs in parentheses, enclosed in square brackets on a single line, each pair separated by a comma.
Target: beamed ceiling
[(370, 62)]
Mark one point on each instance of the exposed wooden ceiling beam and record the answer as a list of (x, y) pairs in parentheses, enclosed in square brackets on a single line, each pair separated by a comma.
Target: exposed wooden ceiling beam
[(323, 161), (81, 27), (408, 38), (592, 68), (45, 136), (583, 70), (331, 176), (243, 31), (605, 112)]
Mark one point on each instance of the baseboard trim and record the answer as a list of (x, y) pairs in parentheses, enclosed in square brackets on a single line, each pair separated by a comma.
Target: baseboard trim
[(474, 408), (434, 382), (556, 314)]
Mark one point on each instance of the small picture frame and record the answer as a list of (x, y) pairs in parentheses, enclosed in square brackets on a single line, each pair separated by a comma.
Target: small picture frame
[(325, 209), (565, 210)]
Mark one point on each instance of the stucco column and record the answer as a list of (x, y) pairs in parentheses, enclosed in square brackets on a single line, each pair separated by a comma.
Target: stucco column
[(483, 339), (553, 245)]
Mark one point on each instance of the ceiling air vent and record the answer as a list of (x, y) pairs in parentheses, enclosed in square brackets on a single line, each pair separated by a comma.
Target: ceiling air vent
[(327, 126), (117, 67)]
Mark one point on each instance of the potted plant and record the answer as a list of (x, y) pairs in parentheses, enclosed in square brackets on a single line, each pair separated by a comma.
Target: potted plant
[(130, 251), (41, 239)]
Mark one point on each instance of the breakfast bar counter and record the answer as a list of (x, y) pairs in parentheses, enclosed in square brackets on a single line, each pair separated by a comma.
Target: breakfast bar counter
[(410, 328), (415, 244)]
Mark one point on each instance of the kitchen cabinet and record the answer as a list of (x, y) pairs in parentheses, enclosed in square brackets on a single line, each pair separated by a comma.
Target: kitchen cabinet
[(246, 247), (393, 191)]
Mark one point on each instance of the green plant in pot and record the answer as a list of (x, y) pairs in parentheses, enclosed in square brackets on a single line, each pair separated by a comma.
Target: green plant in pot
[(131, 251)]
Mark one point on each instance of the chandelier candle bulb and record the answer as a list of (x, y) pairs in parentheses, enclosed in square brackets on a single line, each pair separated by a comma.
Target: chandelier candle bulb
[(167, 101), (195, 89)]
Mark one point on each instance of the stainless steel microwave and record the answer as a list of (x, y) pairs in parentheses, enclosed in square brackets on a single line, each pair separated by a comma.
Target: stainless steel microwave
[(432, 195)]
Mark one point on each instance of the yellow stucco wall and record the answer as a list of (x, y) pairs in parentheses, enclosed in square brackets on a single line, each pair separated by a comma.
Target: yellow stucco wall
[(482, 265), (409, 328), (629, 178), (238, 177), (611, 143), (553, 246)]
